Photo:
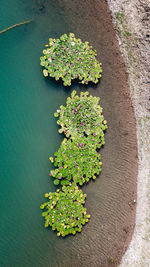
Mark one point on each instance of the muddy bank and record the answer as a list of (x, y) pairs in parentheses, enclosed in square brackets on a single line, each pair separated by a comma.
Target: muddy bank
[(111, 199), (135, 50)]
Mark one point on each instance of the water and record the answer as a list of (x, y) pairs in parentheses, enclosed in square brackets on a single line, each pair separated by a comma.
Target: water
[(28, 132), (28, 136)]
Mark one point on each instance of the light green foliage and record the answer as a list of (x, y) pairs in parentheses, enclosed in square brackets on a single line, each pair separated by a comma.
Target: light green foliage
[(69, 58), (124, 33), (76, 161), (64, 210), (82, 121), (119, 17), (82, 115), (121, 25)]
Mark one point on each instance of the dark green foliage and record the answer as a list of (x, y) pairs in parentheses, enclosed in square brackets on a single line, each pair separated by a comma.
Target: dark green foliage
[(68, 58)]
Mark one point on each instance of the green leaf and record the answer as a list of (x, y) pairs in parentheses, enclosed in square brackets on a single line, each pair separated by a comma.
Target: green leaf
[(56, 181), (69, 58)]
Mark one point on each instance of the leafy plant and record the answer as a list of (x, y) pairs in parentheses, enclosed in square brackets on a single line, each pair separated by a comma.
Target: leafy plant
[(69, 58), (64, 210), (76, 161), (82, 115), (82, 121)]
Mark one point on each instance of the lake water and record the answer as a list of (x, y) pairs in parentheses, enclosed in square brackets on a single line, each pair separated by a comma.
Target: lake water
[(28, 132), (28, 136)]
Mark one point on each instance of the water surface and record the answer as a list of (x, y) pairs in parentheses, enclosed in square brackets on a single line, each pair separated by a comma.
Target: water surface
[(28, 132)]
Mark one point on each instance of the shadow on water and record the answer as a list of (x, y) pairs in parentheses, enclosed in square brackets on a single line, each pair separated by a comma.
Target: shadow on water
[(58, 84), (75, 85)]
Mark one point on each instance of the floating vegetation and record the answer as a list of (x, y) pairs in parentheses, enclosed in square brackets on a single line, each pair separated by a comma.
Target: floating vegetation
[(76, 161), (82, 121), (82, 115), (69, 58), (65, 211)]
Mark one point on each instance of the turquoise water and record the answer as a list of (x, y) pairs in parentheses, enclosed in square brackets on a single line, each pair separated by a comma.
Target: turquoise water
[(28, 133)]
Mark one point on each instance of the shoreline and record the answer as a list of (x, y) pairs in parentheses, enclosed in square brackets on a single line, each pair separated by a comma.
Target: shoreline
[(112, 208), (136, 55)]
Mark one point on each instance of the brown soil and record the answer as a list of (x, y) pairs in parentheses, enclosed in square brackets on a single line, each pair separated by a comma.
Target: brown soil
[(110, 199), (135, 50)]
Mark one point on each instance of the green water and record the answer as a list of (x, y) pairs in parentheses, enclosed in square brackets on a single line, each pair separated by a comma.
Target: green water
[(28, 133)]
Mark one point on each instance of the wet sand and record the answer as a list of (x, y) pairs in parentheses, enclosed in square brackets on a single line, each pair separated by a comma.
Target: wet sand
[(111, 198)]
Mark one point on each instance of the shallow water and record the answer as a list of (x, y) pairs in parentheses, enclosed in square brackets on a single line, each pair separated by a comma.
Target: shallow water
[(28, 136)]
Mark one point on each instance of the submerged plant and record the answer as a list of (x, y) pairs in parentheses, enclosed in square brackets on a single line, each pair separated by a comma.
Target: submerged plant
[(76, 161), (69, 58), (65, 211), (82, 115)]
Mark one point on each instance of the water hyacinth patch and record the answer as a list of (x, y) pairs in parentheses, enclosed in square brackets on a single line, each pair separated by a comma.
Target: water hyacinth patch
[(64, 210), (76, 161), (82, 115), (69, 58)]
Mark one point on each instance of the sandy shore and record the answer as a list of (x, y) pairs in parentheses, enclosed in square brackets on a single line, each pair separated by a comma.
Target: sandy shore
[(131, 19)]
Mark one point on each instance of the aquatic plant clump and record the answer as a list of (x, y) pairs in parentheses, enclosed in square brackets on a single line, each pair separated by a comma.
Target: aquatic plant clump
[(65, 211), (76, 161), (82, 115), (69, 58)]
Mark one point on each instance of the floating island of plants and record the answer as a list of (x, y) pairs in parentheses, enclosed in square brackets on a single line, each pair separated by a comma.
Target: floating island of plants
[(82, 115), (77, 161), (64, 210), (69, 58)]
